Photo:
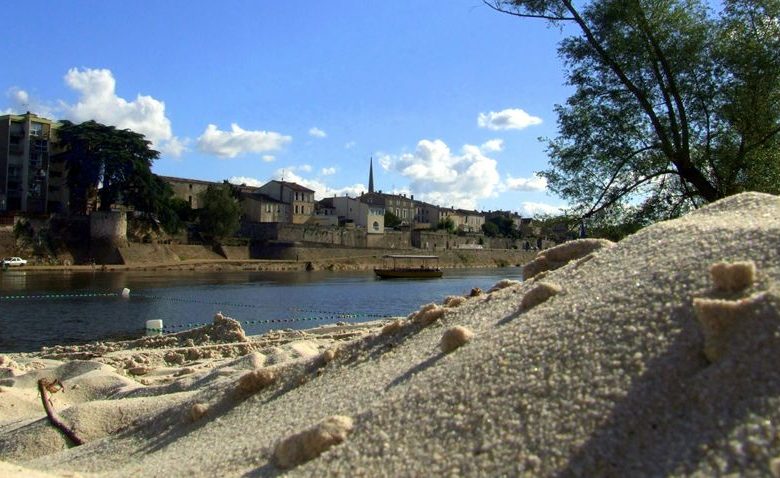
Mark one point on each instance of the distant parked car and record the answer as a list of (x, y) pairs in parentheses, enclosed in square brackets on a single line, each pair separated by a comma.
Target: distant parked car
[(13, 261)]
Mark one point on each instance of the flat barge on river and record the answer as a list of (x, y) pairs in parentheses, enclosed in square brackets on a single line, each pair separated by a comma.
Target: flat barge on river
[(409, 267)]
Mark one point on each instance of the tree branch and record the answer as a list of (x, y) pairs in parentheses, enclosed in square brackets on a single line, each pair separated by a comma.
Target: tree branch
[(53, 419), (614, 177), (627, 189), (553, 18)]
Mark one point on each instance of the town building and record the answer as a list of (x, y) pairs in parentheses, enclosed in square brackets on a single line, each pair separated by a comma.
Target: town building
[(398, 204), (259, 207), (370, 217), (300, 198), (26, 166), (188, 189), (470, 221)]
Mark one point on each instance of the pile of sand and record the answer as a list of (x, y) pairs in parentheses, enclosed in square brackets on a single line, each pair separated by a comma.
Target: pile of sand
[(654, 356)]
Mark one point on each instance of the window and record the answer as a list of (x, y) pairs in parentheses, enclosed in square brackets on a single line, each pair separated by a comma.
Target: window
[(36, 129), (296, 208), (376, 226)]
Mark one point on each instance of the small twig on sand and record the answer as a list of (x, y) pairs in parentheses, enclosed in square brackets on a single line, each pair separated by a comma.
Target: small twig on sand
[(43, 386)]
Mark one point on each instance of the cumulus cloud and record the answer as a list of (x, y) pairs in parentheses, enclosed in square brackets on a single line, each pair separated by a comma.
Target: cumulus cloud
[(239, 180), (21, 101), (268, 158), (350, 145), (492, 146), (511, 118), (317, 133), (98, 101), (445, 178), (535, 183), (321, 190), (328, 171), (531, 209), (237, 141)]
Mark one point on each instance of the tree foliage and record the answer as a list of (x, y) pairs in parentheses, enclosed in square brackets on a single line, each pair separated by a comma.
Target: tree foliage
[(447, 224), (391, 220), (673, 105), (501, 226), (220, 215), (490, 229), (108, 163)]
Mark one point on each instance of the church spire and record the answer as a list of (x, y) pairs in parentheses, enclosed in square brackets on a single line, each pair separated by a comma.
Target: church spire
[(371, 176)]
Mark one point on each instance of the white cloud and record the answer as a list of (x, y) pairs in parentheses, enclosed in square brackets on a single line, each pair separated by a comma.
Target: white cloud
[(229, 144), (512, 118), (531, 209), (321, 190), (492, 146), (350, 145), (98, 101), (535, 183), (268, 158), (317, 133), (21, 102), (441, 177), (328, 171), (306, 168), (239, 180), (175, 147)]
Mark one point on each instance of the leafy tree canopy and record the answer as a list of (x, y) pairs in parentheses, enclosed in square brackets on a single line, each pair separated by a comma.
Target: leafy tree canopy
[(490, 229), (391, 220), (113, 163), (447, 224), (504, 226), (220, 215), (673, 105)]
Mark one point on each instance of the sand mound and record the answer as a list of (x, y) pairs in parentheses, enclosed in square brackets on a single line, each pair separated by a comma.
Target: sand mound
[(607, 369)]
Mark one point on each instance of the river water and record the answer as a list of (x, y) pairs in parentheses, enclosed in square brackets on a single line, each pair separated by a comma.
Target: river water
[(44, 309)]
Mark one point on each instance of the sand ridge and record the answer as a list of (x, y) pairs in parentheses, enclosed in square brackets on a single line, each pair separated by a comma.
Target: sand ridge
[(604, 370)]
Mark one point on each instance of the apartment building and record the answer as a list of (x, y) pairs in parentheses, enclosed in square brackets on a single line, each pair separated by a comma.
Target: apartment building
[(370, 217), (403, 207), (300, 199), (188, 189), (25, 165)]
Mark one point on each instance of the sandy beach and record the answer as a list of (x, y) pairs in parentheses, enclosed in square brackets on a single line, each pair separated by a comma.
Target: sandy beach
[(654, 356)]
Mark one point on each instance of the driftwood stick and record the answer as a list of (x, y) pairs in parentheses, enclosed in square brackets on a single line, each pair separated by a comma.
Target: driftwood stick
[(42, 383)]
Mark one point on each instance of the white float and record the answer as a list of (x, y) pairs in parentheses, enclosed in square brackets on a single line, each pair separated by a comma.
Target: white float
[(154, 327)]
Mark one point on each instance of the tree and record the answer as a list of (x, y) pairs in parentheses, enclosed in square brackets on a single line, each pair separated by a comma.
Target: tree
[(504, 225), (391, 220), (672, 107), (490, 229), (112, 164), (220, 215), (447, 224)]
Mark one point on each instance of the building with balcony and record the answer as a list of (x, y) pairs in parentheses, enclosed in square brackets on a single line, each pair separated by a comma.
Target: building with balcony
[(25, 165)]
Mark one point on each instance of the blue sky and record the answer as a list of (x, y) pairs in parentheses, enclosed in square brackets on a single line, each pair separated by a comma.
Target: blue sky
[(449, 97)]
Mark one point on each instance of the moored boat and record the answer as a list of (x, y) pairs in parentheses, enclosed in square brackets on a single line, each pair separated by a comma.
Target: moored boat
[(409, 267)]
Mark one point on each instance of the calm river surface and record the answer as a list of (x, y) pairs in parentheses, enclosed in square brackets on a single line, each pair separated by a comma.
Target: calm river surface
[(42, 309)]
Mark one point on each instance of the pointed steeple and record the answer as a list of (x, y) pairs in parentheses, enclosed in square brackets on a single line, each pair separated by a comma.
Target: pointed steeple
[(371, 176)]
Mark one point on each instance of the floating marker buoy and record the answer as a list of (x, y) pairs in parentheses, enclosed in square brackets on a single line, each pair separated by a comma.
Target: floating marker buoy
[(125, 293), (154, 327)]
